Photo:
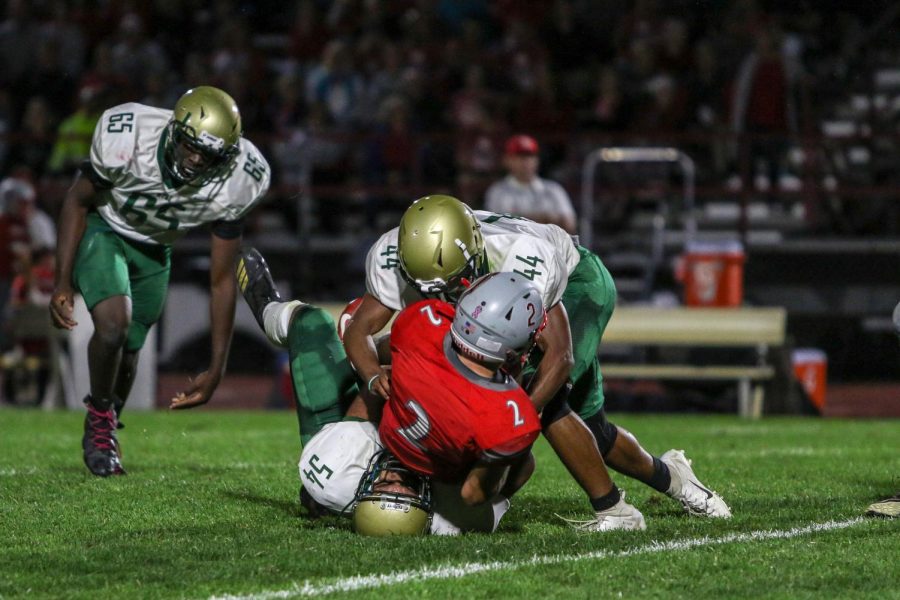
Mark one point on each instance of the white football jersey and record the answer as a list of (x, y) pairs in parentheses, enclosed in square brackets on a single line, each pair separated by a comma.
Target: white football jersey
[(543, 254), (142, 205), (336, 458)]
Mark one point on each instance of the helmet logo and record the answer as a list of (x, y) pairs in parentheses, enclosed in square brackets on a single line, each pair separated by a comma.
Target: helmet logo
[(489, 345), (211, 141)]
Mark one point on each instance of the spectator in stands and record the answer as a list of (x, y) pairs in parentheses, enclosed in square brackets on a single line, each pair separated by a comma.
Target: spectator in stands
[(32, 149), (706, 111), (478, 152), (336, 85), (102, 73), (19, 36), (135, 54), (386, 75), (6, 125), (73, 137), (524, 193), (764, 106), (665, 109), (50, 79), (19, 201), (26, 362), (308, 34), (466, 104), (67, 36), (611, 110), (33, 286), (14, 243)]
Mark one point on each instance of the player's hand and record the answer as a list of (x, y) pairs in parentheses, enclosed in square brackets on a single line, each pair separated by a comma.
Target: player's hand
[(382, 384), (199, 391), (62, 304)]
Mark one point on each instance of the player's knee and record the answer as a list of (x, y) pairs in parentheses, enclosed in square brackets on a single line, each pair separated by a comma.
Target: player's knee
[(111, 332), (603, 431), (472, 494), (557, 408)]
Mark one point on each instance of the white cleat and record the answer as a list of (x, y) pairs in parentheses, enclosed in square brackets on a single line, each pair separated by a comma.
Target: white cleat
[(696, 498), (619, 516)]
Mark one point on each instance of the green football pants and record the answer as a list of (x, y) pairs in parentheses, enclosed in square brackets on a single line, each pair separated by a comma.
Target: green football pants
[(324, 382), (589, 300), (108, 264)]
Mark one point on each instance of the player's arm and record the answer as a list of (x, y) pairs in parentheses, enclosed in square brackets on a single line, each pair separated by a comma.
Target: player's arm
[(221, 313), (369, 319), (555, 341), (71, 226), (499, 471)]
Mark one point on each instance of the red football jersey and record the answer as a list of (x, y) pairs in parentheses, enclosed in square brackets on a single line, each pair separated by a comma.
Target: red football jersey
[(442, 417)]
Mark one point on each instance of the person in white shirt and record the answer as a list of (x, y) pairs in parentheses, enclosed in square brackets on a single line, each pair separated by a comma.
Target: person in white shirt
[(18, 197), (525, 194)]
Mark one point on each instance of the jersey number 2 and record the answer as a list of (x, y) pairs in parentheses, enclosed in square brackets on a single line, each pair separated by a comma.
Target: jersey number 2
[(517, 418)]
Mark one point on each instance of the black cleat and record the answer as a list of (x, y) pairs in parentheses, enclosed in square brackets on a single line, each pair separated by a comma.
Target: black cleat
[(101, 448), (255, 281)]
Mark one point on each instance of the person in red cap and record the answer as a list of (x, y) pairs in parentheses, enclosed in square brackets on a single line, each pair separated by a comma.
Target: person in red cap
[(523, 193)]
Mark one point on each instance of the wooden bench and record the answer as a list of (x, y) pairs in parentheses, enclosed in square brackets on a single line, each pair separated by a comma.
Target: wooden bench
[(758, 328)]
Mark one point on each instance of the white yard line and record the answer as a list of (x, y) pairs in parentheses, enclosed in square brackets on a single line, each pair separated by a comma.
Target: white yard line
[(367, 582), (16, 472)]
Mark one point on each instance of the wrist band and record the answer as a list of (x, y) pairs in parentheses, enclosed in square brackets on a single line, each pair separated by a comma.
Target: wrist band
[(371, 379)]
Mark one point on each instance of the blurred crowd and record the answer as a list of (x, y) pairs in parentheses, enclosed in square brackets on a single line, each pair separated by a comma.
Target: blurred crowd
[(388, 99), (402, 92)]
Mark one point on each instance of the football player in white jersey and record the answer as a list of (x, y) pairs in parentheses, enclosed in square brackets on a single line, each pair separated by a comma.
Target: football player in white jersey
[(153, 174), (439, 246)]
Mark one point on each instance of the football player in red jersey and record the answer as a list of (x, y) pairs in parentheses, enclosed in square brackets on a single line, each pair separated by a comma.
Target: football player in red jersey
[(454, 413), (492, 441)]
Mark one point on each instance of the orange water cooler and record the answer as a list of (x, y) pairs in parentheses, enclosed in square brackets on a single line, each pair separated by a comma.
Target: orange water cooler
[(811, 370), (713, 274)]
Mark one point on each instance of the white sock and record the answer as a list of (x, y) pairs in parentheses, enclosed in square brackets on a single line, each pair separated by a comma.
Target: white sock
[(277, 319), (500, 506), (441, 526)]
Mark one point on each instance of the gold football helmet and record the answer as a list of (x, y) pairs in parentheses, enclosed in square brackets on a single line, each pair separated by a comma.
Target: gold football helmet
[(203, 136), (440, 246), (391, 499)]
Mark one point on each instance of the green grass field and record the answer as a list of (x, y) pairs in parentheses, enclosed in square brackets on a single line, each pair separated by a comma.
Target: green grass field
[(209, 509)]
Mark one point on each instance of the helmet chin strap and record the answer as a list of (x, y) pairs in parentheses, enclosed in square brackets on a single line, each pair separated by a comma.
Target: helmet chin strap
[(465, 251)]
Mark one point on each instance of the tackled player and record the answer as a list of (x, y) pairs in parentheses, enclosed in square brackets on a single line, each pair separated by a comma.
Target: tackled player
[(439, 245), (153, 174), (461, 448)]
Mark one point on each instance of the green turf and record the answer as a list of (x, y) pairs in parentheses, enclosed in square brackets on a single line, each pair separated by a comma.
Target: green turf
[(209, 508)]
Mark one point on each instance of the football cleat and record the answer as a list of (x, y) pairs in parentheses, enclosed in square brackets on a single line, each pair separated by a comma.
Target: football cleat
[(101, 448), (887, 508), (255, 282), (696, 498), (621, 515)]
